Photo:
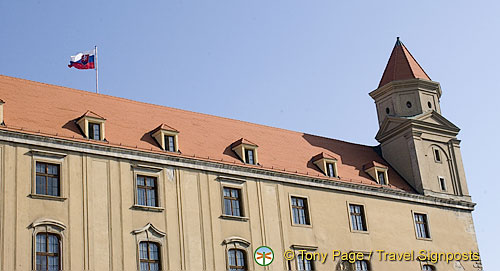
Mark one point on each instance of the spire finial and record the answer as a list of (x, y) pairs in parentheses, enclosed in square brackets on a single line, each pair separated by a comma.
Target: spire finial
[(398, 42)]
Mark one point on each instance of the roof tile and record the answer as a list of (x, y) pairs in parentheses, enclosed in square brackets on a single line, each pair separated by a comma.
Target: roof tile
[(31, 106)]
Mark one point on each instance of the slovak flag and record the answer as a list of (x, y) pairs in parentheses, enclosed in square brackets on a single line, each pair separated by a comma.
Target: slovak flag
[(83, 60)]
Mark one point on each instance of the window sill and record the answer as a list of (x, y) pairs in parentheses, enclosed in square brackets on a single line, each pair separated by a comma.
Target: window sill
[(424, 239), (302, 225), (46, 197), (148, 208), (357, 231), (232, 217)]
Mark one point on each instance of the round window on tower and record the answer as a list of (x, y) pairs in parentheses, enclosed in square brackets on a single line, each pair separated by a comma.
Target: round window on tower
[(387, 110), (408, 104), (429, 104)]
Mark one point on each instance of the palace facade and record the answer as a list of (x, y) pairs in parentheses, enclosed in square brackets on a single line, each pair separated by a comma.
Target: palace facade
[(95, 182)]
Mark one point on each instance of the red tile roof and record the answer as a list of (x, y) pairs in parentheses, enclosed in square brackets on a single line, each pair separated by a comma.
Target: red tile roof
[(402, 65), (30, 107)]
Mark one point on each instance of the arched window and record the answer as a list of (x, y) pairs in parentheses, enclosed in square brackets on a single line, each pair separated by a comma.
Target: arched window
[(48, 251), (428, 267), (361, 265), (149, 256), (236, 259), (47, 247)]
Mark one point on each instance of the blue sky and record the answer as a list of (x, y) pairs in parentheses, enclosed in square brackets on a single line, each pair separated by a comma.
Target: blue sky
[(301, 65)]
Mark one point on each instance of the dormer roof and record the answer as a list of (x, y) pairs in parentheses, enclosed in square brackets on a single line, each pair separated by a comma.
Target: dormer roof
[(93, 115), (165, 127), (372, 164), (323, 155), (402, 65), (243, 141)]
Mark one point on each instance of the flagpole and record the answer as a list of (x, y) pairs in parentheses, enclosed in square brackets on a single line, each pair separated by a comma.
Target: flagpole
[(96, 72)]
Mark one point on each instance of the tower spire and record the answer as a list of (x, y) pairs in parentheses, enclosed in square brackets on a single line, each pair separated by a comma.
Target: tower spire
[(402, 65)]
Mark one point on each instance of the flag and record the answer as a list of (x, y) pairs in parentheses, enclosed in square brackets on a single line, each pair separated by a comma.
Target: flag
[(83, 60)]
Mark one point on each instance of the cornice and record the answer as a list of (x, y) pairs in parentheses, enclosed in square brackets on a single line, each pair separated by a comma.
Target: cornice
[(405, 85), (417, 125), (226, 169)]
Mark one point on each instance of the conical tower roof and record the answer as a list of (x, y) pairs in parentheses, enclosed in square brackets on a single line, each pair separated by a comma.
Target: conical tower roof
[(402, 65)]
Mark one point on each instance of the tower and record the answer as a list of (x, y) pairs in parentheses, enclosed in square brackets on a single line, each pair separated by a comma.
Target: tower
[(414, 137)]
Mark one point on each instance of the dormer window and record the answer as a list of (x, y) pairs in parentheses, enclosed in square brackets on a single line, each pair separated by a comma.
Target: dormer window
[(166, 137), (330, 170), (378, 172), (170, 143), (246, 151), (249, 156), (327, 164), (94, 131), (381, 177), (92, 125)]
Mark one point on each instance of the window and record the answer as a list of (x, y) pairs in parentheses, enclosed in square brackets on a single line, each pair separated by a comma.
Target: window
[(303, 263), (361, 265), (422, 226), (381, 177), (358, 220), (170, 143), (236, 259), (437, 155), (428, 267), (330, 170), (149, 256), (147, 191), (47, 179), (300, 211), (47, 252), (94, 131), (442, 183), (92, 125), (232, 201), (249, 156), (246, 151)]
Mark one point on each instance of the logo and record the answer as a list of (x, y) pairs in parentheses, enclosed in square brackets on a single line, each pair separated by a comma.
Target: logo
[(263, 256), (85, 59)]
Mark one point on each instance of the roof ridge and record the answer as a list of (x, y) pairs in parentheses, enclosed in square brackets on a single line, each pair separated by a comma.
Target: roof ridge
[(173, 108)]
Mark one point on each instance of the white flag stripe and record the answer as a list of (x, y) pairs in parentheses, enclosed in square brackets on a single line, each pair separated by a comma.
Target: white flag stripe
[(78, 56)]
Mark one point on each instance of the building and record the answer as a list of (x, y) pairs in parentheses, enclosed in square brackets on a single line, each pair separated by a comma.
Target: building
[(94, 182)]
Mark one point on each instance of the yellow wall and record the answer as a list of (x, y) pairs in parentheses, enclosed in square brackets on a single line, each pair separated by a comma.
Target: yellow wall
[(100, 219)]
